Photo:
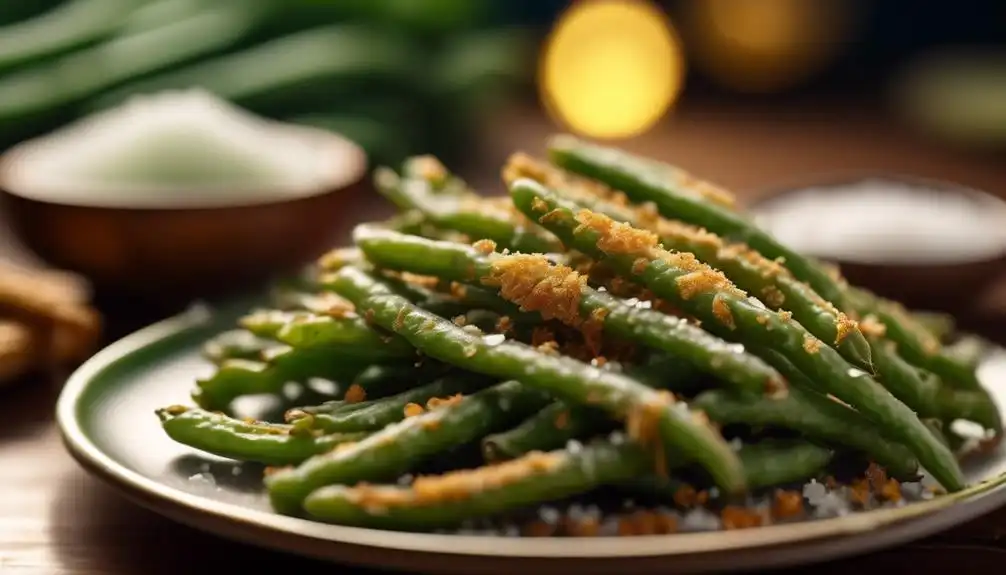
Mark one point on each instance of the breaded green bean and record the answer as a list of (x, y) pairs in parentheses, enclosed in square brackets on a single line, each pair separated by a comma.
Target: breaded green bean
[(471, 215), (380, 413), (558, 292), (282, 364), (444, 501), (724, 309), (816, 418), (651, 415), (260, 442), (397, 448), (749, 270)]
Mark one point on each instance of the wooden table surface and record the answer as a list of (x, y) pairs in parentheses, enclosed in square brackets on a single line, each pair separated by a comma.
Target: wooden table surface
[(55, 519)]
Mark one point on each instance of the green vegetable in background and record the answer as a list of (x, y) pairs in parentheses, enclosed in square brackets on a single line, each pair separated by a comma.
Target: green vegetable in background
[(61, 30), (294, 73)]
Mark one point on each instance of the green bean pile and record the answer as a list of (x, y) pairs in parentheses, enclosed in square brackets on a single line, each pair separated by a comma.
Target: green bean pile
[(615, 325)]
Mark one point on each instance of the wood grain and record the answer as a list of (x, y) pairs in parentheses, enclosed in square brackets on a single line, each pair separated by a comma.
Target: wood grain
[(56, 520)]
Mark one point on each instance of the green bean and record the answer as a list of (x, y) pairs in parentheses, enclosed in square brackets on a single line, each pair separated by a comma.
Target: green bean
[(771, 463), (476, 217), (284, 299), (350, 334), (557, 292), (915, 343), (450, 499), (936, 428), (376, 382), (680, 198), (380, 413), (235, 344), (551, 428), (573, 381), (724, 309), (338, 258), (268, 443), (398, 447), (768, 463), (554, 426), (236, 377), (748, 269), (266, 323), (927, 395), (969, 350), (939, 325), (816, 418)]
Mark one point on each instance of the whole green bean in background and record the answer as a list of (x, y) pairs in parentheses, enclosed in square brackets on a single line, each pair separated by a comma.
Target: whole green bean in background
[(65, 28), (293, 73), (564, 377), (472, 216), (268, 443), (641, 182), (749, 270), (751, 323), (548, 477), (382, 412), (399, 447), (622, 320)]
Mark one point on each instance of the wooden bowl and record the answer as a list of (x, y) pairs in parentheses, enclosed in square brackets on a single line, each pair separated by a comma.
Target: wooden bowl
[(946, 285), (173, 253)]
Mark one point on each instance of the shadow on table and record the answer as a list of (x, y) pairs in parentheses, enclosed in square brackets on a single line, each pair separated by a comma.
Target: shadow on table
[(125, 538), (27, 406)]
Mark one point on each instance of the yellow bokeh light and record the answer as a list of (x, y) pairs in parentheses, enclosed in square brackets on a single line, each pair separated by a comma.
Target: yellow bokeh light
[(765, 46), (611, 68)]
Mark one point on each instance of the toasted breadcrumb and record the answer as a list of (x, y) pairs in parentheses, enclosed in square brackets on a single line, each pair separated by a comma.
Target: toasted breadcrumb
[(872, 326), (437, 402), (811, 344), (535, 284), (485, 247), (355, 394), (735, 517), (721, 310), (787, 504), (456, 485)]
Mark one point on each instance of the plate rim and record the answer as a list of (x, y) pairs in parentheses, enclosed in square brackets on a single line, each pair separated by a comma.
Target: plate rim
[(972, 502)]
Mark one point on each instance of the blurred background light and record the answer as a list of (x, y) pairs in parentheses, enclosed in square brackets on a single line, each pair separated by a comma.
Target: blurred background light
[(765, 46), (611, 68)]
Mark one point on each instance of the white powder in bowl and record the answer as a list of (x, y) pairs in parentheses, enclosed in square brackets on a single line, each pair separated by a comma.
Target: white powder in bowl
[(886, 221), (172, 148)]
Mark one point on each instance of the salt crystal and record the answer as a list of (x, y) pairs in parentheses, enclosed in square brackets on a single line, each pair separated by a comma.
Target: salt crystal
[(700, 519), (172, 147), (814, 492)]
